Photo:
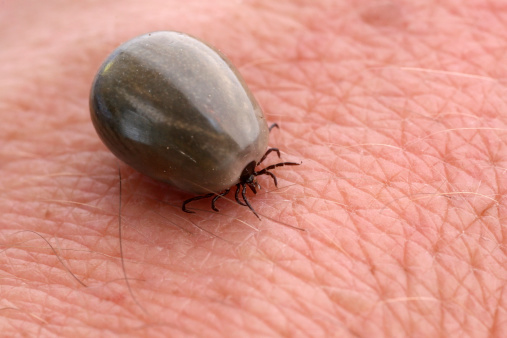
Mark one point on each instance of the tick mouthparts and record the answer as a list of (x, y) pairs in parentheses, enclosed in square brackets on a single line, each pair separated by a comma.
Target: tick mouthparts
[(253, 186)]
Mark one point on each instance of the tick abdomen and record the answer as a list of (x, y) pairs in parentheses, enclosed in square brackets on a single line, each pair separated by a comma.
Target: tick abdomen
[(175, 109)]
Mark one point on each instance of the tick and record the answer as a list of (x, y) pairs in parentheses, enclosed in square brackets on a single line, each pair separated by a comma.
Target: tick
[(175, 109)]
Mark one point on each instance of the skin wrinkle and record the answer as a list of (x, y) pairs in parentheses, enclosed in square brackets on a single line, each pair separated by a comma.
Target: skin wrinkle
[(261, 275), (270, 324), (249, 316)]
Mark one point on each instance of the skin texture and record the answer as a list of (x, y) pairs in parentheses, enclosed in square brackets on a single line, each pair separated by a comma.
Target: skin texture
[(397, 110)]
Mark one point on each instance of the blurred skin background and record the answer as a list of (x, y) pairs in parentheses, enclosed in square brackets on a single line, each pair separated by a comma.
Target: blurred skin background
[(396, 109)]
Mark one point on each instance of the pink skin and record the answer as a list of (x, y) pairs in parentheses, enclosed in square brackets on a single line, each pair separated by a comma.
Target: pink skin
[(397, 111)]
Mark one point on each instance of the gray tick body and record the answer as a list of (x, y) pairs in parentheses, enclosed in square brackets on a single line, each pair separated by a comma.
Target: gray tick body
[(177, 110)]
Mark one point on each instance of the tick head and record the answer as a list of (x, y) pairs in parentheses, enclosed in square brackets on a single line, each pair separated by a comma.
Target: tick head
[(248, 177)]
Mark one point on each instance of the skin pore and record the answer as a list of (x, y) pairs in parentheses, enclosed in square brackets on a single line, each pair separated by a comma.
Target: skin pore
[(396, 110)]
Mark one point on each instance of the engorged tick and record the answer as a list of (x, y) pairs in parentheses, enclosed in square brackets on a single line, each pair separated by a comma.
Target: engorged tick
[(177, 110)]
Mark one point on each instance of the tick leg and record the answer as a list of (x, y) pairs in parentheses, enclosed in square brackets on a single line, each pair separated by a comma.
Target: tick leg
[(273, 166), (270, 174), (270, 150), (238, 186), (213, 201), (243, 194), (274, 125), (184, 208)]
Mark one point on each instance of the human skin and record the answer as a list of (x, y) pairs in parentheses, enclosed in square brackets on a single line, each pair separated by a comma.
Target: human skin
[(395, 109)]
